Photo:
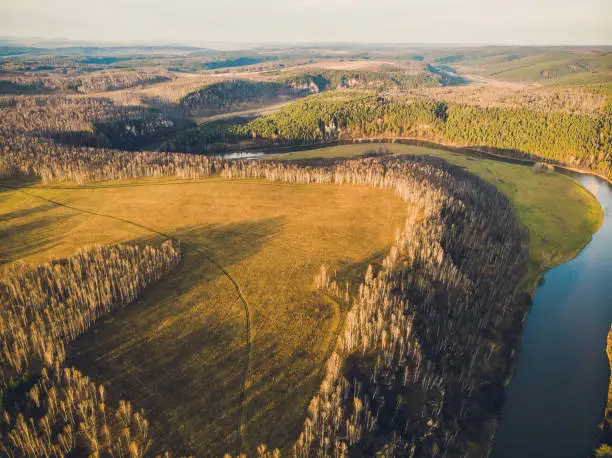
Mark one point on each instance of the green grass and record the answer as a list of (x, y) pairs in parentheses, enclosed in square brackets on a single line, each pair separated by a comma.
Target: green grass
[(559, 213), (179, 353), (551, 66)]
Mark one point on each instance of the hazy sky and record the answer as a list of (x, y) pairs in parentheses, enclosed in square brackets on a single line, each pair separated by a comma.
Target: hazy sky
[(398, 21)]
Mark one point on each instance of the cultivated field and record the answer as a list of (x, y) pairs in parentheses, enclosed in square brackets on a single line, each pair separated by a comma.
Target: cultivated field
[(180, 352)]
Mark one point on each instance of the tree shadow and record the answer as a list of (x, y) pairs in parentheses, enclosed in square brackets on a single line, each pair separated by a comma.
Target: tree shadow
[(179, 351), (23, 212), (356, 271), (32, 237), (292, 384)]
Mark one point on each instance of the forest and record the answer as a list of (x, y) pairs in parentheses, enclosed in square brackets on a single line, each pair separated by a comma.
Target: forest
[(413, 336), (66, 139), (48, 409), (387, 79), (80, 83), (577, 140), (233, 95), (391, 385)]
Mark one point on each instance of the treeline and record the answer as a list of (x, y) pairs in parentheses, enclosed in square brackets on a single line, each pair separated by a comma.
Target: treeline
[(419, 368), (47, 306), (81, 84), (230, 95), (27, 156), (322, 80), (48, 410), (88, 121), (573, 139)]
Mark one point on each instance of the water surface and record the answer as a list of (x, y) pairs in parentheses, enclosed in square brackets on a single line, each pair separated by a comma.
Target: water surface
[(557, 396)]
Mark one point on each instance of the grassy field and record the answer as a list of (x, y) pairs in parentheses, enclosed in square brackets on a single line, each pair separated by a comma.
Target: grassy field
[(179, 353), (559, 213)]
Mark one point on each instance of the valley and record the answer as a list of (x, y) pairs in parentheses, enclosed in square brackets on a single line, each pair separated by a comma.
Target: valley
[(355, 278)]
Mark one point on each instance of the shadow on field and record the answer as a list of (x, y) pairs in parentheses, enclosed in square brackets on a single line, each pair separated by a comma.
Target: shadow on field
[(179, 352), (293, 383), (30, 237), (23, 212)]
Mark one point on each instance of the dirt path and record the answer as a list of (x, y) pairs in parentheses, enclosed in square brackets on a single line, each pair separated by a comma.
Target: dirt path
[(241, 425)]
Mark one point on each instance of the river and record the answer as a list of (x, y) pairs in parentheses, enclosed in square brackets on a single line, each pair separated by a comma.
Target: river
[(556, 398)]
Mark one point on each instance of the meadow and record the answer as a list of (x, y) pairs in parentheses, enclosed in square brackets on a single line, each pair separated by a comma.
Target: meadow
[(559, 213), (251, 251), (179, 353)]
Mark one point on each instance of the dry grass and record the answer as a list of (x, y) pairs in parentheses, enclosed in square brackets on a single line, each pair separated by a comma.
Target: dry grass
[(362, 65), (559, 213), (179, 353)]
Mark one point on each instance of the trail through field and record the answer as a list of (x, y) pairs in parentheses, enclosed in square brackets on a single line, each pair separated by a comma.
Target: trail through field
[(240, 428)]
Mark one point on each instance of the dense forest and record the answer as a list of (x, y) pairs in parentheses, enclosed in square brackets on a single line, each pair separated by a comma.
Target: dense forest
[(80, 83), (235, 94), (50, 410), (577, 140), (321, 80)]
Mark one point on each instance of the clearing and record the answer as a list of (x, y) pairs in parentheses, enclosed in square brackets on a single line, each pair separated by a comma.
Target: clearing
[(180, 351), (559, 213)]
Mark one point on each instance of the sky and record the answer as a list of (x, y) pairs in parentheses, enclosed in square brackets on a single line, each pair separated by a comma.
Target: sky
[(580, 22)]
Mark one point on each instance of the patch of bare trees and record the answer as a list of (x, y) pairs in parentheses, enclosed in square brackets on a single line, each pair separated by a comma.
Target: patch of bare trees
[(65, 414), (28, 126), (87, 121), (83, 83), (53, 163), (423, 336), (26, 156), (43, 309)]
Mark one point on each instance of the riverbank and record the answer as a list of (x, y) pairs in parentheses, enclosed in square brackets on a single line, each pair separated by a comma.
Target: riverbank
[(558, 212), (436, 143), (557, 395)]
